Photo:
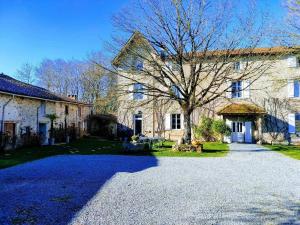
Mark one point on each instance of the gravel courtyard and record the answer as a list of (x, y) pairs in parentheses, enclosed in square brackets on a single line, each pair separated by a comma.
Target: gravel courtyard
[(249, 186)]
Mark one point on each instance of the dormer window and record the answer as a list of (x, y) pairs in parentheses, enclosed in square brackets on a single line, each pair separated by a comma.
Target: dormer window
[(237, 66)]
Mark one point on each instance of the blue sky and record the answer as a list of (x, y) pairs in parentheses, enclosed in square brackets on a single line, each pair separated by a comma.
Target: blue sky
[(31, 30)]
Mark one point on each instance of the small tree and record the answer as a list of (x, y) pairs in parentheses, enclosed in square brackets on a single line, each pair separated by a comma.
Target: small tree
[(220, 128), (52, 118), (204, 129)]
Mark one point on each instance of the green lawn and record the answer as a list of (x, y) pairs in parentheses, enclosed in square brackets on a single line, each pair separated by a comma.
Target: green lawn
[(291, 151), (93, 146), (211, 149)]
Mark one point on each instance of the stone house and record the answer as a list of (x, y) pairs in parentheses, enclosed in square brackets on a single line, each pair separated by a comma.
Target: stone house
[(266, 109), (24, 108)]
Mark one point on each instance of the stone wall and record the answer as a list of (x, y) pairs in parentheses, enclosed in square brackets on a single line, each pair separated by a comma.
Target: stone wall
[(273, 84), (26, 113)]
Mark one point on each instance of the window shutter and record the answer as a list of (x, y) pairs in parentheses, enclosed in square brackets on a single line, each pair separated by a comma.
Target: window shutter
[(292, 61), (242, 65), (168, 121), (228, 91), (181, 121), (145, 97), (130, 89), (291, 90), (292, 123), (246, 88)]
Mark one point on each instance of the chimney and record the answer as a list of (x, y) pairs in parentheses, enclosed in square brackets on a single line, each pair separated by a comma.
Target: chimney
[(74, 97)]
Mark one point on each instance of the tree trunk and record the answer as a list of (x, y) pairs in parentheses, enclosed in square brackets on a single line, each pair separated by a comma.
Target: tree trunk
[(187, 127)]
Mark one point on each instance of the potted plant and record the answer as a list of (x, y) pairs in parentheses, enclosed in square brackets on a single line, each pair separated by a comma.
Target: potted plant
[(52, 118)]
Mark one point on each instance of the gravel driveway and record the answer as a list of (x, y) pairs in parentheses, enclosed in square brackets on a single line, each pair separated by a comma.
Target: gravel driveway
[(249, 186)]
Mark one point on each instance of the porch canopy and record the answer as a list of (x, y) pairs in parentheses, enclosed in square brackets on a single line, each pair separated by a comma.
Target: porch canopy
[(241, 109)]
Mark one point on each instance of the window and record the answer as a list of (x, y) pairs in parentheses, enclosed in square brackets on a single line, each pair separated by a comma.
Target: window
[(236, 89), (139, 65), (79, 111), (237, 127), (10, 129), (43, 108), (176, 121), (237, 66), (298, 61), (176, 91), (66, 109), (138, 91)]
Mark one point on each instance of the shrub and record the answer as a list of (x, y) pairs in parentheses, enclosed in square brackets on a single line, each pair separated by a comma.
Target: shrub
[(204, 129), (135, 138), (220, 129)]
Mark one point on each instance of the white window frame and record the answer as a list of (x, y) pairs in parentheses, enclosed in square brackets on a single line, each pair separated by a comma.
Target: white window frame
[(176, 91), (238, 93), (139, 65), (178, 124), (237, 66), (43, 108), (138, 92)]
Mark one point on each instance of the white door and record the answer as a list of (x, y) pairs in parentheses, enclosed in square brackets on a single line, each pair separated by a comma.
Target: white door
[(248, 132), (238, 134)]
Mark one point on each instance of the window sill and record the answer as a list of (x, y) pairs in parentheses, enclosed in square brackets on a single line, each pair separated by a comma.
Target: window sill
[(138, 100), (239, 98)]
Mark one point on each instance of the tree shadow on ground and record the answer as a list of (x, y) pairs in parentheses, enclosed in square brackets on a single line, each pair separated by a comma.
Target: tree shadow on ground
[(279, 211), (55, 189)]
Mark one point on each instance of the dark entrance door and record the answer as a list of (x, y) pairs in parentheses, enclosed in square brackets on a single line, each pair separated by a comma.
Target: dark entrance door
[(138, 124), (43, 133)]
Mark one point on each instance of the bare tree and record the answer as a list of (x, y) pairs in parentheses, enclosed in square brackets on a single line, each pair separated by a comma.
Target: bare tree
[(294, 15), (26, 73), (84, 79), (183, 50)]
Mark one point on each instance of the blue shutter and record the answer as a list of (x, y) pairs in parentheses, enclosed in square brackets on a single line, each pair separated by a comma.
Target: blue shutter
[(296, 88)]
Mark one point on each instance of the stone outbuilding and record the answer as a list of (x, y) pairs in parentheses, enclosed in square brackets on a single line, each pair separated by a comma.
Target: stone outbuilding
[(23, 110)]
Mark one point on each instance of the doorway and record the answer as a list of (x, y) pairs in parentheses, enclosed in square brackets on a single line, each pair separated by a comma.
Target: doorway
[(241, 132), (138, 124), (238, 132), (43, 133)]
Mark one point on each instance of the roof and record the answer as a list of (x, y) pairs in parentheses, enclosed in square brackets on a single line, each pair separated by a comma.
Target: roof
[(241, 109), (217, 53), (252, 51), (10, 85), (135, 37)]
